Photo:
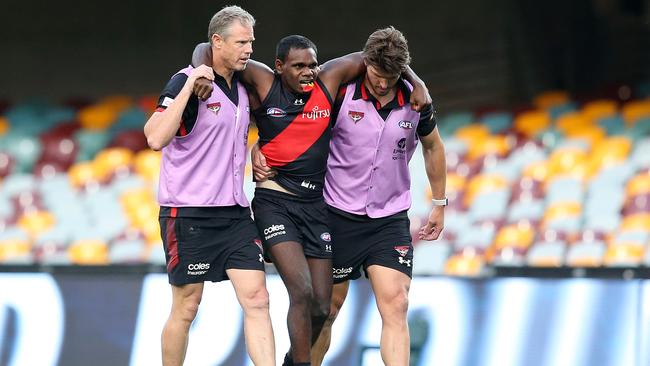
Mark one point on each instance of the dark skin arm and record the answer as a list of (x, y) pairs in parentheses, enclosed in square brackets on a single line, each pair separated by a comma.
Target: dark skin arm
[(257, 75), (347, 68), (333, 73)]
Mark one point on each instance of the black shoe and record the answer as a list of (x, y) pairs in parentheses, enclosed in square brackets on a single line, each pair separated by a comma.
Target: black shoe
[(288, 360)]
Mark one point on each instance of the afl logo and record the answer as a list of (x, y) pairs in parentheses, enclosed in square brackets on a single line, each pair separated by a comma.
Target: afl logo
[(406, 125), (356, 116), (326, 237), (275, 112), (214, 107)]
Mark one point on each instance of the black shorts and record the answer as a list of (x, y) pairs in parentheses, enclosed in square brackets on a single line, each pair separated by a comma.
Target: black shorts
[(201, 249), (282, 217), (361, 241)]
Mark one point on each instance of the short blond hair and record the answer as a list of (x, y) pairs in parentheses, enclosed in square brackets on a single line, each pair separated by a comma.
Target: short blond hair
[(223, 19)]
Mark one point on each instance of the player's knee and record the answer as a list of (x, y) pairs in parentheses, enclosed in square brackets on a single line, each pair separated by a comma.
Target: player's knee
[(188, 308), (321, 309), (302, 294), (257, 300), (394, 306), (335, 308)]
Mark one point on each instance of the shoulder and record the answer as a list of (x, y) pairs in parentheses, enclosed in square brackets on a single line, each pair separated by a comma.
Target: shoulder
[(274, 95)]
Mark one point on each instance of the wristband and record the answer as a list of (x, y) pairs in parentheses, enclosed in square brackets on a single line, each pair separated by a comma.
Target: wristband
[(441, 202)]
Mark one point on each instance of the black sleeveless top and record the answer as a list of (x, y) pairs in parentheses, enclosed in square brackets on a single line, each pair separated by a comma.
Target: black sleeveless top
[(295, 132)]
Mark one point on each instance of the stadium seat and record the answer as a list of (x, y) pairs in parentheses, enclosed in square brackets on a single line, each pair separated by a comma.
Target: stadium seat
[(429, 258), (546, 254), (497, 122), (482, 184), (90, 143), (127, 251), (112, 161), (613, 125), (472, 133), (508, 257), (15, 251), (81, 174), (24, 150), (623, 255), (635, 110), (572, 121), (563, 189), (35, 223), (563, 210), (531, 210), (490, 205), (597, 109), (97, 117), (489, 145), (634, 222), (586, 254), (464, 265), (88, 252), (517, 236), (147, 164), (4, 125), (133, 140), (611, 151), (532, 123), (476, 237), (550, 99)]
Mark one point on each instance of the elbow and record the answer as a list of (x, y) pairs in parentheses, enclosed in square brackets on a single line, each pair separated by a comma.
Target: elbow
[(154, 144)]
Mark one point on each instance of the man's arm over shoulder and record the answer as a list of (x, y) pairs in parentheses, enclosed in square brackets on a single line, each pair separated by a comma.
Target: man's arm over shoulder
[(420, 98), (341, 70), (256, 74)]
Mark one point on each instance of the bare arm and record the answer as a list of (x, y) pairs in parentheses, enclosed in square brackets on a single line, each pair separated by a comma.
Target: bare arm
[(256, 74), (341, 70), (162, 126), (436, 168)]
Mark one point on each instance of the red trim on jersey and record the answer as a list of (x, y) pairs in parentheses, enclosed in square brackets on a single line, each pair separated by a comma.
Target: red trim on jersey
[(400, 97), (364, 95), (182, 129), (172, 245), (341, 92), (302, 133)]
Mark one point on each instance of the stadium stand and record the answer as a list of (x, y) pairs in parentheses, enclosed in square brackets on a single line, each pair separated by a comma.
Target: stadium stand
[(561, 183)]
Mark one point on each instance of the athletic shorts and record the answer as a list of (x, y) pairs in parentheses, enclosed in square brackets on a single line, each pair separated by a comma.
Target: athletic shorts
[(201, 249), (361, 241), (282, 217)]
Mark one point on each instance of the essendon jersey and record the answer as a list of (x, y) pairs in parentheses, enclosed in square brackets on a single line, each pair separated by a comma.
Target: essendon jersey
[(295, 131)]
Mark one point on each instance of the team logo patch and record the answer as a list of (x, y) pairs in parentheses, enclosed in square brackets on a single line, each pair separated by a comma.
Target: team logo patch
[(407, 125), (402, 249), (326, 236), (214, 107), (275, 112), (299, 101), (356, 116)]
